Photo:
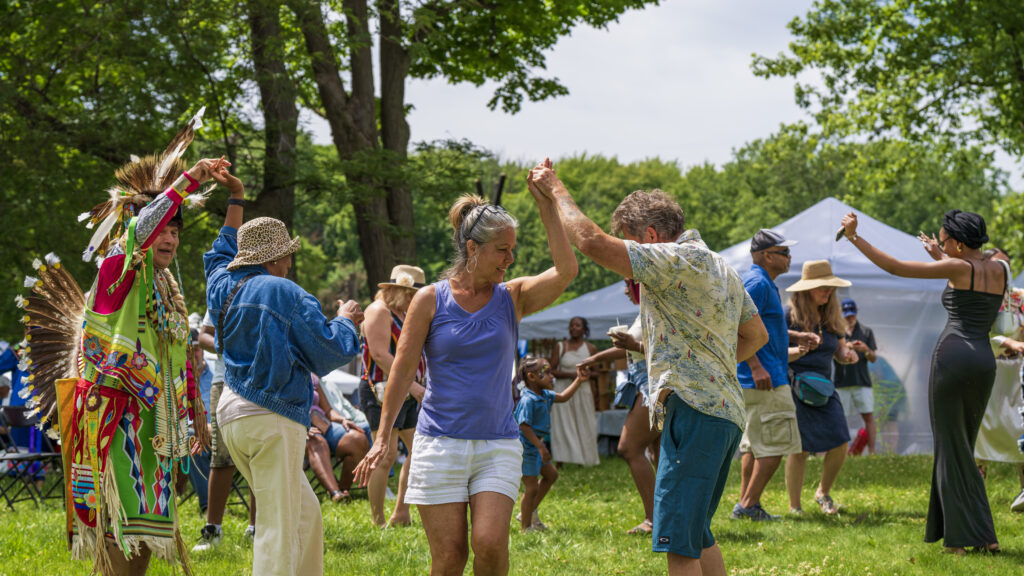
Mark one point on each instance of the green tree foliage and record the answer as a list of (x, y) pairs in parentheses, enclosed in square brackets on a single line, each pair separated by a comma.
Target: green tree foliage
[(923, 69)]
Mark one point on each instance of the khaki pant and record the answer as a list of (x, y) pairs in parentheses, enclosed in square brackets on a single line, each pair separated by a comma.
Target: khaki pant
[(771, 423), (268, 450)]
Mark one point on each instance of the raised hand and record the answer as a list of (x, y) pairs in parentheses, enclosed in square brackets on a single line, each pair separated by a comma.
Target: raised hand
[(222, 176), (203, 169), (543, 179), (850, 224), (931, 245)]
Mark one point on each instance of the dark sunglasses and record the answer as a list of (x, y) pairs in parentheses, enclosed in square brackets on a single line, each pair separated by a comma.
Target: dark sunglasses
[(783, 252)]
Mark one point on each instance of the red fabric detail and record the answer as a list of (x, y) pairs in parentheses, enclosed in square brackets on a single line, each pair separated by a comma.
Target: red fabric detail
[(110, 271)]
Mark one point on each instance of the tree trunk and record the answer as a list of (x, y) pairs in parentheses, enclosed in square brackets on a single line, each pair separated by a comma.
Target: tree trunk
[(280, 114), (353, 121), (394, 69)]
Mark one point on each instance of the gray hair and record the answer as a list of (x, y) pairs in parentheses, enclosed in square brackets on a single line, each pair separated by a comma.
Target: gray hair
[(473, 218), (643, 209)]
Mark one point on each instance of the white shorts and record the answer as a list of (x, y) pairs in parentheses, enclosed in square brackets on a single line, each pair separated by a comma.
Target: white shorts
[(861, 398), (446, 470)]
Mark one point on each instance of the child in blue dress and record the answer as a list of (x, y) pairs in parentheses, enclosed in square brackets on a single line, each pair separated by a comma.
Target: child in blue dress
[(533, 414)]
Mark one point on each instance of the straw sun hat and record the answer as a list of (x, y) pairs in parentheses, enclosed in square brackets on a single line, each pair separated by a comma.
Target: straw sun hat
[(817, 273), (405, 276), (263, 240)]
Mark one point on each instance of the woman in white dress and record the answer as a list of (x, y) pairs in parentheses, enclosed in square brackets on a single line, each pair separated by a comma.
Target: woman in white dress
[(573, 423)]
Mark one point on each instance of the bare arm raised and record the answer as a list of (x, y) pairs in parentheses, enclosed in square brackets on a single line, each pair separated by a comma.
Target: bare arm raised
[(953, 269), (608, 251), (534, 293)]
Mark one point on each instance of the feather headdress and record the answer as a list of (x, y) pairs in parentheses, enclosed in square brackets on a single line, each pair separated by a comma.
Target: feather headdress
[(55, 306), (138, 183)]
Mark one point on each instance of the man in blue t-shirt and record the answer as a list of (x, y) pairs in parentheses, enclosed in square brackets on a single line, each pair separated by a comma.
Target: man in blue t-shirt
[(771, 429)]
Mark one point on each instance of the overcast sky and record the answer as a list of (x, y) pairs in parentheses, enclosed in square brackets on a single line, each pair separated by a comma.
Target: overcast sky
[(672, 81)]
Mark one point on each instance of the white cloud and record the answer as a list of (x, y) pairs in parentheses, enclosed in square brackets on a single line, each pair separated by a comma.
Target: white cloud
[(672, 81)]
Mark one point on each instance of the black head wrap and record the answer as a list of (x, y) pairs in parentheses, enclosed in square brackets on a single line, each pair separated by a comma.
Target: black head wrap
[(966, 227)]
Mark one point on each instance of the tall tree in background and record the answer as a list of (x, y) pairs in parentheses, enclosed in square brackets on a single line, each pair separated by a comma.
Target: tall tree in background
[(918, 68), (461, 40), (950, 72)]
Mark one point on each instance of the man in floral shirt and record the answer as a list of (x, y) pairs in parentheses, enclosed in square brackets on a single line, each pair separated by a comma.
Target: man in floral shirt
[(698, 321)]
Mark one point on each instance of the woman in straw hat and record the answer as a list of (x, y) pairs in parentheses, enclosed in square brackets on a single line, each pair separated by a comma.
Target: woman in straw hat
[(962, 375), (381, 331), (815, 321), (467, 443), (272, 334)]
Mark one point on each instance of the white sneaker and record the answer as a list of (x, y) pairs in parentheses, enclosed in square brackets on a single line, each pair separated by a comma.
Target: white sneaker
[(209, 538), (250, 533), (1018, 503)]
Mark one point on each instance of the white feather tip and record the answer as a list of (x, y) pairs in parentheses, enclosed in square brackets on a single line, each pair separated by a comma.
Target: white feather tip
[(30, 282), (197, 120), (52, 259), (135, 158), (19, 301), (84, 216)]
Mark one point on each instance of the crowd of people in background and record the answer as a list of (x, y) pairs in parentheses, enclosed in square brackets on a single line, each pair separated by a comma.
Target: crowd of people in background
[(718, 365)]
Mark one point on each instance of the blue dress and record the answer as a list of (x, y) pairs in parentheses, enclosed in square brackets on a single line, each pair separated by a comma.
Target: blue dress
[(822, 428)]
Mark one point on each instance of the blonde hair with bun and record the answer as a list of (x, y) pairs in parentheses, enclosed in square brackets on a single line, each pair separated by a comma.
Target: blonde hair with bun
[(473, 218)]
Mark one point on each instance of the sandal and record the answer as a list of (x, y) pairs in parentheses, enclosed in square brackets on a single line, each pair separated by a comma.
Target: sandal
[(340, 495), (828, 506), (645, 527)]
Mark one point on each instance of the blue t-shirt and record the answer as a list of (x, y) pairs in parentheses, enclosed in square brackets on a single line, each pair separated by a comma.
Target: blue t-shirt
[(774, 356), (535, 410)]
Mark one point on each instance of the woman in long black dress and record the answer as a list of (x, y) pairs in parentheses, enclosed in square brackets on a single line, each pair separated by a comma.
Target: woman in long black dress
[(963, 371)]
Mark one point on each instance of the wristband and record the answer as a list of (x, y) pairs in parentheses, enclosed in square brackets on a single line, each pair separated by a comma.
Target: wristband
[(193, 184), (236, 202)]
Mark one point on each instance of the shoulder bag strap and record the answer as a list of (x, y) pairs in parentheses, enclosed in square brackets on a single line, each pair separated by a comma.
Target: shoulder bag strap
[(224, 311)]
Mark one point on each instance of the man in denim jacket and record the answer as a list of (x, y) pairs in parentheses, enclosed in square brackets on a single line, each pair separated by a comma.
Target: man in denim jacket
[(272, 336)]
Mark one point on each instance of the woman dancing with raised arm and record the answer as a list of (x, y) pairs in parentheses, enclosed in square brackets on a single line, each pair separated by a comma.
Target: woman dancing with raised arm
[(962, 374), (467, 442)]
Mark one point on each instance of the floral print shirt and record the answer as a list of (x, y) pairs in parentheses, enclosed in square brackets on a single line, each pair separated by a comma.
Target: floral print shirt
[(692, 304)]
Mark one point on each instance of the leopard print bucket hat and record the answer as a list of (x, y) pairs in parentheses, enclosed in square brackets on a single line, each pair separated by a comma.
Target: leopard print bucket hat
[(263, 240)]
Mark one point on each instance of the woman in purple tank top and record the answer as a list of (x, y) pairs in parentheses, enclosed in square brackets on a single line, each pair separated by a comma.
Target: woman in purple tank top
[(466, 445)]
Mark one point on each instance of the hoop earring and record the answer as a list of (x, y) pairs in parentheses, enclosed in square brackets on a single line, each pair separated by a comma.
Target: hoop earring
[(474, 262)]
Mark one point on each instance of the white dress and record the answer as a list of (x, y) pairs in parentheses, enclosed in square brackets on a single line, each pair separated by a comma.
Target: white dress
[(574, 423)]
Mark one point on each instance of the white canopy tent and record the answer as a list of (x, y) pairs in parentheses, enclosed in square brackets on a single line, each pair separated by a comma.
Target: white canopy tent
[(602, 308), (906, 315)]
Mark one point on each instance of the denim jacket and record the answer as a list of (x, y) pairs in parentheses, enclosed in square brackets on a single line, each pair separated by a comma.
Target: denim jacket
[(275, 334)]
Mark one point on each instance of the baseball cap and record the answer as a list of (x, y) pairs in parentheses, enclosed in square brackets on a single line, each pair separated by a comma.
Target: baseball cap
[(849, 307), (765, 239)]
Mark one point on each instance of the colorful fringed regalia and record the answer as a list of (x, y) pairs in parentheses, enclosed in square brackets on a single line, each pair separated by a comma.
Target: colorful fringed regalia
[(109, 372)]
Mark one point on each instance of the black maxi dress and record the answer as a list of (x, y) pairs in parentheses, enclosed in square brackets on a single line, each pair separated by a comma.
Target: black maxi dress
[(963, 372)]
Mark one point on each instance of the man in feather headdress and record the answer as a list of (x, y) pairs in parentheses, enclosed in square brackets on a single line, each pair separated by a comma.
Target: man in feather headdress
[(115, 367)]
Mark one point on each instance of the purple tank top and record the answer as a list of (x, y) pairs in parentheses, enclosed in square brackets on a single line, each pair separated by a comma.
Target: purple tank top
[(469, 368)]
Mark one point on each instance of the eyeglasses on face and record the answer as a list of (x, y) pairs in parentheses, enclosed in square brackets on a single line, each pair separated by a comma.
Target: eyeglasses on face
[(784, 252)]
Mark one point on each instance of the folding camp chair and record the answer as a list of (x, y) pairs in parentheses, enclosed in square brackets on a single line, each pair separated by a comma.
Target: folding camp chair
[(20, 464)]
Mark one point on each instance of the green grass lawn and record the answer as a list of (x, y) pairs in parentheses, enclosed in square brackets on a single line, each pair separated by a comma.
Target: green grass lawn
[(879, 531)]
